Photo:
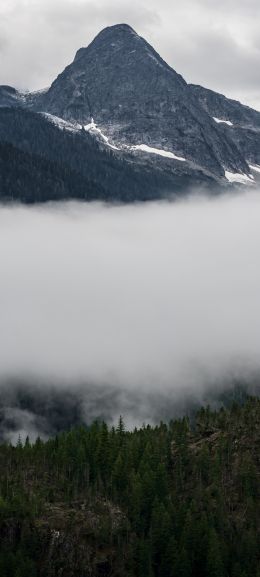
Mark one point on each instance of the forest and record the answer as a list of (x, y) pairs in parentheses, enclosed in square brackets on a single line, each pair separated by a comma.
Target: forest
[(179, 499)]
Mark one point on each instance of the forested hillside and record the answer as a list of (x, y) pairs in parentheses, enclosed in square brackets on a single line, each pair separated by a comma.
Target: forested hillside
[(176, 500), (30, 178)]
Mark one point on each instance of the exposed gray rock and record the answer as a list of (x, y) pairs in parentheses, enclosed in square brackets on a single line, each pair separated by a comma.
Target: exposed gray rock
[(9, 96), (245, 122)]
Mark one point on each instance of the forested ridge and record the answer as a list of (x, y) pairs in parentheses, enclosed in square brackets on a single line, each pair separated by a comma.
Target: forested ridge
[(172, 500), (31, 178)]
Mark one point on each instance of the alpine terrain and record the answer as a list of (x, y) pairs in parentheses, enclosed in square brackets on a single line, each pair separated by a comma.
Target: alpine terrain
[(120, 124)]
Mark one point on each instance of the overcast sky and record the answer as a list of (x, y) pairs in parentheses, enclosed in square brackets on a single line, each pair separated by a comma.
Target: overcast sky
[(216, 44)]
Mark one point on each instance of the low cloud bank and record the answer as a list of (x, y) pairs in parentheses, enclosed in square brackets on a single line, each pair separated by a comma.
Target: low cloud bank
[(127, 307)]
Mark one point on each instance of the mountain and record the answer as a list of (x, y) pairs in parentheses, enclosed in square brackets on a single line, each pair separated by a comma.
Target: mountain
[(158, 134)]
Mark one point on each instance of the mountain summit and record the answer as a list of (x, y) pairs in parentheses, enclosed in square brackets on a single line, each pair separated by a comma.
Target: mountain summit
[(111, 79), (120, 92)]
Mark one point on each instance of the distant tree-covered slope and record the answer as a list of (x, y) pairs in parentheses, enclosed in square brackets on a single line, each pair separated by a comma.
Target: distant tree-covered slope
[(165, 501), (28, 177)]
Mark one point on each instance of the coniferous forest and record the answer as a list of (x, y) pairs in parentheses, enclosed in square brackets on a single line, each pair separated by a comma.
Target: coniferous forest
[(173, 500)]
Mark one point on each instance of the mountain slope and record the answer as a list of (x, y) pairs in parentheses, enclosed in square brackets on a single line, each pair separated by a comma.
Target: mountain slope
[(241, 123), (9, 96)]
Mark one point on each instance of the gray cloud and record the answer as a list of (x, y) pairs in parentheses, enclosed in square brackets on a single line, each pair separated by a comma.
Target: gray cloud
[(214, 44), (124, 304)]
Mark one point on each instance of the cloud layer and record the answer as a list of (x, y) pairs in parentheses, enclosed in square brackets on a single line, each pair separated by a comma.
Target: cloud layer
[(209, 43), (155, 300)]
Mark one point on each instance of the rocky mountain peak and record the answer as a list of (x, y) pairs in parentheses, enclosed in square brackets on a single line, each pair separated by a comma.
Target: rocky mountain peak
[(112, 36), (118, 74), (137, 100)]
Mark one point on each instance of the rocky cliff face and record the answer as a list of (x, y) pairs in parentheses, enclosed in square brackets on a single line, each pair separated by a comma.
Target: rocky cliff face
[(240, 123)]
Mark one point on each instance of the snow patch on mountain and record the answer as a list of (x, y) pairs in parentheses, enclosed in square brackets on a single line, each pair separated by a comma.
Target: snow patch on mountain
[(238, 177), (92, 128), (60, 123), (40, 91), (151, 150), (219, 121), (254, 167), (154, 58)]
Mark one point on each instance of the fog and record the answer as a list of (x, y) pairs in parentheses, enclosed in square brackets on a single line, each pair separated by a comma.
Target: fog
[(125, 309)]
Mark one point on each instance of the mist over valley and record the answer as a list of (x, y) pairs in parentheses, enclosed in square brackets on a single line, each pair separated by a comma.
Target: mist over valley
[(145, 310)]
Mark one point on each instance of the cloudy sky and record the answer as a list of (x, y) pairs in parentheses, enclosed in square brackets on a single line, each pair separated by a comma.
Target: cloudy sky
[(216, 44)]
